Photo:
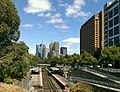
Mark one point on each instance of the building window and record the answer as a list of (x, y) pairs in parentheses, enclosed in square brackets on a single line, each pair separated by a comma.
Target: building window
[(115, 10), (111, 42), (116, 40), (106, 45), (106, 41), (110, 14), (116, 20), (116, 30), (110, 23), (106, 23), (110, 32), (106, 27), (106, 32), (106, 18), (106, 36), (105, 15)]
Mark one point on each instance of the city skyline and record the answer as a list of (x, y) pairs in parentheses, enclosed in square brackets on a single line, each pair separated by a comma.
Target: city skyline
[(55, 20)]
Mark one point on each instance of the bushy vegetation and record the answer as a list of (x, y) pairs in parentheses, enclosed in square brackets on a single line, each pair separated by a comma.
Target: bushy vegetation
[(110, 55), (14, 57), (73, 60), (105, 57), (81, 87)]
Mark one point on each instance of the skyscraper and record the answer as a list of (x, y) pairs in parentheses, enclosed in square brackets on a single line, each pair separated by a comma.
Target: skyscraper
[(112, 23), (46, 54), (51, 48), (41, 51), (92, 33), (56, 48), (37, 50), (63, 51)]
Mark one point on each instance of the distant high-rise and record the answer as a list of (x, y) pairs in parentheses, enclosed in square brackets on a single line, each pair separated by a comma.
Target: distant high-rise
[(112, 23), (56, 48), (44, 52), (41, 51), (37, 50), (63, 51), (51, 47), (92, 33)]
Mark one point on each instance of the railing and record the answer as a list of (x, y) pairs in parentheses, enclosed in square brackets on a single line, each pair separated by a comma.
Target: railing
[(113, 85), (109, 76)]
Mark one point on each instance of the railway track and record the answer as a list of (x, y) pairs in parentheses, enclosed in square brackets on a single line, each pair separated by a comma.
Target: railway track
[(48, 84)]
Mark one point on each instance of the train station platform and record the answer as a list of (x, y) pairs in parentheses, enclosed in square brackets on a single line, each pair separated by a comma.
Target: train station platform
[(36, 81)]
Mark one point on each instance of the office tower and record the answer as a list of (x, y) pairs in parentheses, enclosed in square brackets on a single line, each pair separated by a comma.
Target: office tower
[(37, 50), (92, 33), (41, 51), (56, 48), (46, 54), (63, 51), (51, 47), (112, 23)]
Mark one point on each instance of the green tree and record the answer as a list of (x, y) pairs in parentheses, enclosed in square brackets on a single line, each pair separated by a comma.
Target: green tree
[(87, 58), (110, 55), (9, 23), (14, 57), (33, 60), (97, 53), (15, 64)]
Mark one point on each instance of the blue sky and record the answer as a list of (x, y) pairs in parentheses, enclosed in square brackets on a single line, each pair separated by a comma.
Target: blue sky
[(55, 20)]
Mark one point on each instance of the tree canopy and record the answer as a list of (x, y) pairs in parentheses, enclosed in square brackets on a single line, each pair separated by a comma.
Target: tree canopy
[(14, 57), (110, 55), (9, 23)]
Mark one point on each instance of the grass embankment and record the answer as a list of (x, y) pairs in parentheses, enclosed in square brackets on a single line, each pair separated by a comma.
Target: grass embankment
[(11, 88)]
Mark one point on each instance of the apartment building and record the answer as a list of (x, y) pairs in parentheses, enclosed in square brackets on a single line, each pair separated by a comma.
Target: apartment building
[(92, 33)]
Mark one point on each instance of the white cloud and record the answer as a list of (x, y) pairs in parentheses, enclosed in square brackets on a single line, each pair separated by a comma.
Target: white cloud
[(65, 31), (69, 50), (37, 6), (44, 15), (55, 19), (83, 14), (28, 25), (75, 9), (57, 15), (72, 40), (69, 42), (62, 26)]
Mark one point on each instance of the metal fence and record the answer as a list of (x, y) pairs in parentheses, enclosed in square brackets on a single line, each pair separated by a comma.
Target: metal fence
[(109, 76), (107, 84)]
